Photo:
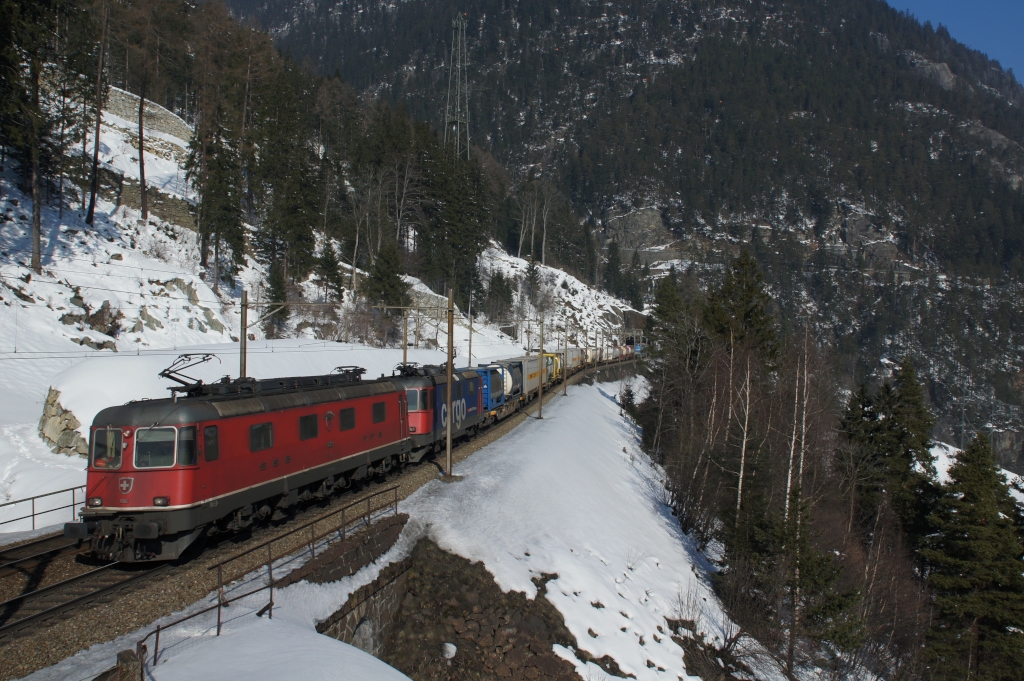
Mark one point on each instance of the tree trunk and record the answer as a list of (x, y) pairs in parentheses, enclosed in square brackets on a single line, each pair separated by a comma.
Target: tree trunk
[(792, 442), (743, 443), (63, 134), (35, 142), (544, 232), (216, 263), (144, 209), (95, 182), (355, 253)]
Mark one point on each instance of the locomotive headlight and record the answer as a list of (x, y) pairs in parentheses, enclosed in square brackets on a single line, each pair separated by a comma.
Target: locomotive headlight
[(161, 501), (93, 502)]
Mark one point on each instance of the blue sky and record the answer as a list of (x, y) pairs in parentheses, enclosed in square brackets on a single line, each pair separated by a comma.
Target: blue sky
[(995, 27)]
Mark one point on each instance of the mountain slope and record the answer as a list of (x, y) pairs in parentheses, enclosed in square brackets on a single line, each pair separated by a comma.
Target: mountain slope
[(873, 164)]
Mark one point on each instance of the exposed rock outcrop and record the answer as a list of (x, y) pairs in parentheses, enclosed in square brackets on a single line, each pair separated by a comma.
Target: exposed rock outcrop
[(59, 428)]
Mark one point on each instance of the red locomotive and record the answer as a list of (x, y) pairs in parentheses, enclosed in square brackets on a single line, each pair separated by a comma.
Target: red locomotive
[(227, 454)]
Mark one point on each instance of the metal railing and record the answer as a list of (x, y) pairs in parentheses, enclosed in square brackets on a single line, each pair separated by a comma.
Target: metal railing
[(35, 513), (339, 527)]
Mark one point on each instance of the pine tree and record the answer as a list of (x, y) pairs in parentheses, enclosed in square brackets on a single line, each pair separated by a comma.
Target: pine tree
[(499, 297), (740, 311), (328, 269), (385, 284), (974, 567), (613, 270), (221, 198), (532, 280), (907, 426), (277, 293)]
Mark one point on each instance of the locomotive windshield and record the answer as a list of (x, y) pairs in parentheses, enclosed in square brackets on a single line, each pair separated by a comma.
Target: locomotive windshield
[(154, 448), (106, 448)]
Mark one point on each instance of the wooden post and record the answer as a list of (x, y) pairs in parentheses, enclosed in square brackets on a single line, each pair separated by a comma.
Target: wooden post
[(471, 331), (405, 336), (270, 572), (540, 407), (448, 388), (243, 345), (565, 362)]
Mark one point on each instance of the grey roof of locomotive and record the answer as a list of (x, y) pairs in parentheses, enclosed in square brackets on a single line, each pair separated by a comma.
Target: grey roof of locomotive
[(268, 395), (213, 401)]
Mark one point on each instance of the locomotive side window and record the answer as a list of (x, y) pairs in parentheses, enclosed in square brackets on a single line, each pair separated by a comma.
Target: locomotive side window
[(261, 436), (187, 452), (346, 419), (154, 447), (106, 448), (308, 427), (472, 386), (211, 451), (380, 412), (424, 400)]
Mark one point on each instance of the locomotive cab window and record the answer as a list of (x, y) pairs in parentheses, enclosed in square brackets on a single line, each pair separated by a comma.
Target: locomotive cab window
[(380, 412), (308, 427), (106, 448), (261, 436), (346, 419), (187, 452), (413, 399), (211, 451), (154, 447)]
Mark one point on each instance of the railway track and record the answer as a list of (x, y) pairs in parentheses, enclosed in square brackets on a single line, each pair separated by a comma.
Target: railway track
[(25, 558), (26, 613)]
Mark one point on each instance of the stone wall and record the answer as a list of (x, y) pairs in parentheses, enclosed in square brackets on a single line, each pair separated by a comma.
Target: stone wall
[(58, 428), (126, 105), (164, 206), (367, 619)]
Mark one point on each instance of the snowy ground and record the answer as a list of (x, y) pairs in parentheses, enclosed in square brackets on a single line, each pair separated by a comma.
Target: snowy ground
[(571, 495)]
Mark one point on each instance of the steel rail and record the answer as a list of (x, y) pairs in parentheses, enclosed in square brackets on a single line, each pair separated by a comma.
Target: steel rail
[(19, 564), (12, 627)]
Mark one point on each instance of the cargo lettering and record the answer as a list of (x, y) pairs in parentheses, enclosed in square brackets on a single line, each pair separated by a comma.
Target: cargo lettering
[(458, 409)]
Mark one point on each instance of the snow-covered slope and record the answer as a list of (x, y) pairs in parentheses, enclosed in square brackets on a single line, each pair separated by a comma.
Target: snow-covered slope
[(573, 495), (564, 297)]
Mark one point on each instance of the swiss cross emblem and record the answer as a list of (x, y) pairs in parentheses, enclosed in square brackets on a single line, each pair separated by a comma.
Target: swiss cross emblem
[(125, 485)]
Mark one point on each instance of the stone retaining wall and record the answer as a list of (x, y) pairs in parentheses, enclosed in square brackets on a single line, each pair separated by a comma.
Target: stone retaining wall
[(58, 428), (126, 105), (164, 206), (367, 618)]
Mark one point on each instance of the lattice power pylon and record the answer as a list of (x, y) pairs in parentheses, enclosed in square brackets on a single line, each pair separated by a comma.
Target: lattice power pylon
[(456, 115)]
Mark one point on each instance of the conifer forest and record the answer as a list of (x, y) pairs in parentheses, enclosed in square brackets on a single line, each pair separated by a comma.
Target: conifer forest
[(812, 209)]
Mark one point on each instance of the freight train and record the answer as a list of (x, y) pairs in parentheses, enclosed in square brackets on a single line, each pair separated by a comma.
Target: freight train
[(219, 457)]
